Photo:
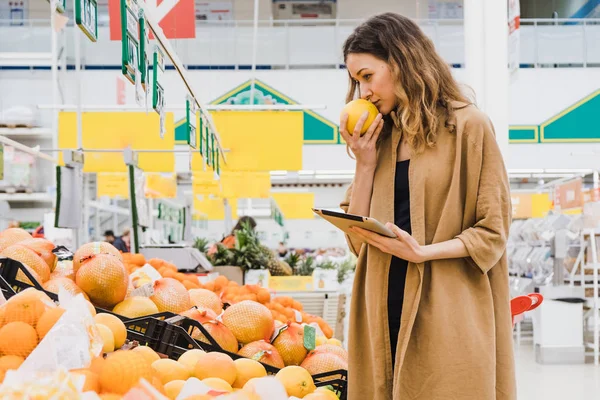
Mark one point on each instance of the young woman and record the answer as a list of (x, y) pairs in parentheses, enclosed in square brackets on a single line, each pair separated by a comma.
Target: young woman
[(430, 312)]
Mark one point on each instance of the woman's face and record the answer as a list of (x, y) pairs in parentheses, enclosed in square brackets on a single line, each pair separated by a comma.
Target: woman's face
[(374, 79)]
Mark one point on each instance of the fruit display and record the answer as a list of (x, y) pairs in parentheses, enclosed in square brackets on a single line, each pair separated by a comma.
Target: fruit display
[(255, 332)]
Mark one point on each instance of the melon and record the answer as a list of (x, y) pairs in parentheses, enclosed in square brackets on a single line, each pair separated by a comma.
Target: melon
[(12, 236), (29, 259), (53, 286), (42, 248), (249, 321), (290, 344), (204, 298), (318, 363), (104, 279), (136, 307), (89, 250), (170, 295), (263, 352)]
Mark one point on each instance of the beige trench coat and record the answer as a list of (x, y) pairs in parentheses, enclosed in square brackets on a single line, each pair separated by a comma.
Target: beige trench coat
[(455, 340)]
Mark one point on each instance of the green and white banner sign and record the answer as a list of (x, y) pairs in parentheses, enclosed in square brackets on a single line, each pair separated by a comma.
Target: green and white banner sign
[(158, 92), (191, 115), (86, 17), (130, 41)]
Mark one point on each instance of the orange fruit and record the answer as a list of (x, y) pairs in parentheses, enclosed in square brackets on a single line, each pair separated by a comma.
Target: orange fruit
[(203, 298), (249, 321), (190, 358), (218, 384), (30, 259), (246, 370), (17, 339), (263, 352), (170, 295), (173, 388), (9, 363), (110, 396), (42, 248), (123, 370), (138, 259), (86, 252), (63, 269), (216, 365), (318, 363), (92, 381), (290, 344), (115, 325), (12, 236), (47, 321), (296, 380), (135, 307), (27, 306), (108, 339), (263, 296), (53, 286), (104, 279), (149, 354), (169, 370), (355, 109)]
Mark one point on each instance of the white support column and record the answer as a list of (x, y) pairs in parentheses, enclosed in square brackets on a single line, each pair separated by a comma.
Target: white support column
[(486, 61)]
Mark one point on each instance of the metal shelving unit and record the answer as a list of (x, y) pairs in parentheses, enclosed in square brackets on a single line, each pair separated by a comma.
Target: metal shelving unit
[(585, 273)]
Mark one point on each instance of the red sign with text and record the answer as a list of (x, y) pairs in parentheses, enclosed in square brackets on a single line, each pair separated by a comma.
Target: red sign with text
[(177, 18)]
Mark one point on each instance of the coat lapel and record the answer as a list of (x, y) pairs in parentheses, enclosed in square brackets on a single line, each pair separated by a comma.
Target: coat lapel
[(414, 276)]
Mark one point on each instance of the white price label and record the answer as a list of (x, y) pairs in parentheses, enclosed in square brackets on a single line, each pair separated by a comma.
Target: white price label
[(140, 94)]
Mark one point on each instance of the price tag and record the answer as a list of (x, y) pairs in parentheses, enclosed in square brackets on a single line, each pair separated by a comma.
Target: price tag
[(310, 337), (140, 93)]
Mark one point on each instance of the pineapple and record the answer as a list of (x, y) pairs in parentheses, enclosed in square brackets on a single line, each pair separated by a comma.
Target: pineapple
[(293, 260), (275, 266)]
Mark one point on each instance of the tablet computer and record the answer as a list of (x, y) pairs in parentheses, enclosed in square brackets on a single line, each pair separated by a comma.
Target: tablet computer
[(345, 221)]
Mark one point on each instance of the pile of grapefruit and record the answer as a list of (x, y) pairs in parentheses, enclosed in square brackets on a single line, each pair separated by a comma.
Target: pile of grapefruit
[(243, 319)]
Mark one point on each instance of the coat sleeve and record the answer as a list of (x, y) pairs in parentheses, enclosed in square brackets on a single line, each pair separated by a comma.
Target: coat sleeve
[(486, 234), (353, 244)]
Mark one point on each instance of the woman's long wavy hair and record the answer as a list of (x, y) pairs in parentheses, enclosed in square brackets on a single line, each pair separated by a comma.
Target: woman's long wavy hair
[(424, 83)]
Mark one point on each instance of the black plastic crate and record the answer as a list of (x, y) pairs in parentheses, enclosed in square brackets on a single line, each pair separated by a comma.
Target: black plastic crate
[(172, 337), (166, 333)]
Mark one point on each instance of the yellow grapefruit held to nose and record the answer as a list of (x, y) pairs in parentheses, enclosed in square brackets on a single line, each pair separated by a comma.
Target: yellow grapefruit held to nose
[(355, 109)]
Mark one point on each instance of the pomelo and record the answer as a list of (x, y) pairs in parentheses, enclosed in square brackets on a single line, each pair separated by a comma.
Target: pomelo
[(355, 109)]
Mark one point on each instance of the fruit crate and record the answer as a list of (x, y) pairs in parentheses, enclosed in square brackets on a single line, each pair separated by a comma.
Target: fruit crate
[(166, 332), (172, 337), (10, 285)]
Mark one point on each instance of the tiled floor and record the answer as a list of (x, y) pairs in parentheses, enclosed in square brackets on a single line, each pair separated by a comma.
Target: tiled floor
[(554, 382)]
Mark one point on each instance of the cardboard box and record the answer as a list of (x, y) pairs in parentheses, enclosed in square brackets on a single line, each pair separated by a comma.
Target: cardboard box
[(235, 274), (260, 277), (325, 279)]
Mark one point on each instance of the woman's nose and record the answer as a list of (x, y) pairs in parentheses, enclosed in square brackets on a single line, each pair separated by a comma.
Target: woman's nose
[(365, 93)]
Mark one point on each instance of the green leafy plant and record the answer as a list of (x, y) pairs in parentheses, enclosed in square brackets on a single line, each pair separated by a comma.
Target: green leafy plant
[(306, 267), (201, 244), (327, 265), (248, 252), (222, 257), (345, 268)]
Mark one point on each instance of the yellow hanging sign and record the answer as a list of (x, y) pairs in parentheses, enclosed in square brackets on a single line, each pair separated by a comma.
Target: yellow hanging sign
[(295, 205), (261, 141), (119, 130), (214, 207), (113, 185), (161, 186), (245, 185)]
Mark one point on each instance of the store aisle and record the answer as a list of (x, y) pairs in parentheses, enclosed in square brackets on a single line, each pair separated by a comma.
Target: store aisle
[(554, 382)]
